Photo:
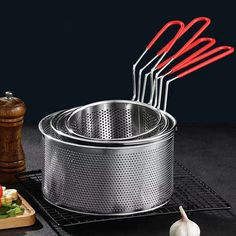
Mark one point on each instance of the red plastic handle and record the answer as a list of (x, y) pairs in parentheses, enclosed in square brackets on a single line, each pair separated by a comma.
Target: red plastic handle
[(186, 45), (227, 51), (162, 30), (210, 42)]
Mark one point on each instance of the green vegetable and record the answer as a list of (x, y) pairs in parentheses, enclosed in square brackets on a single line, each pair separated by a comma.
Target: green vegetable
[(19, 210), (11, 211), (4, 210)]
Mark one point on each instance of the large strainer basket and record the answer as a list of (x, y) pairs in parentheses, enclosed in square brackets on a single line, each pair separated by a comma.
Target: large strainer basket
[(113, 120), (107, 180)]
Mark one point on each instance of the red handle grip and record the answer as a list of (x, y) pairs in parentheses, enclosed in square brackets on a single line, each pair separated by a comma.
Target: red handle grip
[(163, 29), (181, 65), (228, 50), (186, 45)]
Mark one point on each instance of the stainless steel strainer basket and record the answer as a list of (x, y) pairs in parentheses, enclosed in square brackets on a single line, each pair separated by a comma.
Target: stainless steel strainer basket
[(113, 120), (58, 124), (107, 180)]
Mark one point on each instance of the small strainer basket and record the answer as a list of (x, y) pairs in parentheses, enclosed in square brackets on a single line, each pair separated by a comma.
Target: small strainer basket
[(113, 120), (58, 125)]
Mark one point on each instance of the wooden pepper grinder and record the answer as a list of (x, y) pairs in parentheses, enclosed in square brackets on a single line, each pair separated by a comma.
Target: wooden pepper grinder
[(12, 158)]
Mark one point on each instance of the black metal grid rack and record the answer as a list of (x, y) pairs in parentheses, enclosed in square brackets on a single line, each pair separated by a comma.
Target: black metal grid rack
[(190, 192)]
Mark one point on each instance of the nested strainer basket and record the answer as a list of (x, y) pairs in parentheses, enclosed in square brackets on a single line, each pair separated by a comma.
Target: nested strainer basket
[(113, 120), (58, 125), (104, 180)]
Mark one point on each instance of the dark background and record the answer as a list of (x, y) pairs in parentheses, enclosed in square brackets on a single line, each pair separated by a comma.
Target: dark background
[(60, 56)]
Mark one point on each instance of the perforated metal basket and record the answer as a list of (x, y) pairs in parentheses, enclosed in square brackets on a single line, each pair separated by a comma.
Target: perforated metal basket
[(113, 120), (58, 124), (107, 180)]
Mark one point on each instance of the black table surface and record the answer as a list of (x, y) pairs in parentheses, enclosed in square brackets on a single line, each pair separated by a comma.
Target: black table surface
[(209, 151)]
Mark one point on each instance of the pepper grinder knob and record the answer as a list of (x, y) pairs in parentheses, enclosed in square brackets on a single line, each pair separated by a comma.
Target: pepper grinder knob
[(8, 94)]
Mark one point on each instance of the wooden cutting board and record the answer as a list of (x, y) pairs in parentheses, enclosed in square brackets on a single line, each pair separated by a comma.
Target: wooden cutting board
[(27, 219)]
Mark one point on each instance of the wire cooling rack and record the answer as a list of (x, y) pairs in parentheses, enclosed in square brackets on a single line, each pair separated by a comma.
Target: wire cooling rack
[(190, 192)]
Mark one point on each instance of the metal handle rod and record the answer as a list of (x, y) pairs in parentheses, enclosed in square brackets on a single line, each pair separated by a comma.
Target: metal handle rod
[(156, 83), (166, 91), (151, 74), (151, 77), (140, 76), (144, 86), (163, 50), (152, 88), (134, 74)]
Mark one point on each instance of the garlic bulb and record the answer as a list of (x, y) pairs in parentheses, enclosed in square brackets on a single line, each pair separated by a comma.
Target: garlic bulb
[(184, 226)]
